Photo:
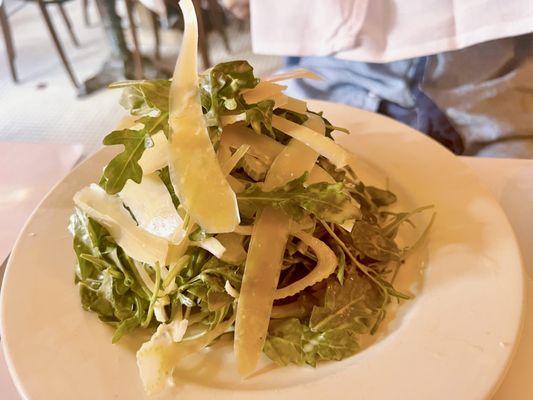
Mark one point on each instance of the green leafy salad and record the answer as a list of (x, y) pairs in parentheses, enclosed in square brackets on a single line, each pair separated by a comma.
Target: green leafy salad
[(231, 210)]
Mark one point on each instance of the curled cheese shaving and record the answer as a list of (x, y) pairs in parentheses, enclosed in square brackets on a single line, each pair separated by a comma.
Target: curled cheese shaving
[(326, 264)]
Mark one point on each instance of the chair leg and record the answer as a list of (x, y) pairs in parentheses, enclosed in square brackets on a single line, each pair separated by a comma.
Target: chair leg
[(66, 19), (202, 38), (57, 43), (216, 15), (137, 60), (10, 49), (85, 10), (157, 36)]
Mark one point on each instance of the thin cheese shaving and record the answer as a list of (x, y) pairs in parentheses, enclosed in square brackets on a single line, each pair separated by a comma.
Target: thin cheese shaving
[(261, 146), (194, 169), (299, 73), (295, 159), (151, 205), (263, 91), (109, 211), (321, 144)]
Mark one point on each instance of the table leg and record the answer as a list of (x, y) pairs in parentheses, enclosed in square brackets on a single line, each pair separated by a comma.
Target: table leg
[(10, 49), (57, 43)]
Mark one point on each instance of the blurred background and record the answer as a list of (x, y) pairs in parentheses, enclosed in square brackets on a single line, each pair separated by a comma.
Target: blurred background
[(47, 104), (466, 82)]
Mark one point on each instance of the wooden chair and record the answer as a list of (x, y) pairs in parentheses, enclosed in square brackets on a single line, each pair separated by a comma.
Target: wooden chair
[(210, 17), (43, 7)]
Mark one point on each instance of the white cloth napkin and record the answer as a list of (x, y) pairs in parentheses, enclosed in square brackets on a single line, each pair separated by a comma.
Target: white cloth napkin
[(383, 30)]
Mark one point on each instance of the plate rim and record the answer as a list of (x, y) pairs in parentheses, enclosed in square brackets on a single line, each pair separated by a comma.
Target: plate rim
[(315, 104)]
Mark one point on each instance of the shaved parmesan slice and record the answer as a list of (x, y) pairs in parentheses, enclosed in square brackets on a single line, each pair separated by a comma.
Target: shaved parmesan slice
[(235, 253), (223, 154), (318, 175), (156, 157), (151, 205), (261, 275), (261, 146), (325, 266), (232, 162), (157, 358), (263, 91), (321, 144), (280, 100), (194, 169), (295, 159), (232, 118), (265, 254), (212, 245), (299, 73), (295, 105), (109, 211)]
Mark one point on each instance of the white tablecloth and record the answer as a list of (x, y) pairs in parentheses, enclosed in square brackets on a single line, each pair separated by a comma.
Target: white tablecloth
[(511, 181)]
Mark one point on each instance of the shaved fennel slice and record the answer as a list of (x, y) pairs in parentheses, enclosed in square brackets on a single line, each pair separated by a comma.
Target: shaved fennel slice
[(157, 358), (321, 144), (261, 275), (261, 146), (109, 211), (325, 266), (156, 157), (212, 245), (151, 205), (194, 169), (263, 91), (299, 73), (295, 159), (318, 175)]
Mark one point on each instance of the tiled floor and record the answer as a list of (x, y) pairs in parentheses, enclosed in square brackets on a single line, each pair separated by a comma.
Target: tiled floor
[(44, 106)]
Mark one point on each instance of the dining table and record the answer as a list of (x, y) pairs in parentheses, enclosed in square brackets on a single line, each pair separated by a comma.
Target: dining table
[(509, 180)]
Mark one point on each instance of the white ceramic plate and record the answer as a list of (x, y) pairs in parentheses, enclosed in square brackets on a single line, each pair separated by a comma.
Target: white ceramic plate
[(453, 341)]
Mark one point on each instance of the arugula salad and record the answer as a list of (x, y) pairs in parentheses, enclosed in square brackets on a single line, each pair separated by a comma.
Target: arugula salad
[(231, 211)]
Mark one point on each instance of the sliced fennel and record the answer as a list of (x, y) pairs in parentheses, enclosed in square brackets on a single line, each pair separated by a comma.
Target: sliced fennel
[(151, 205), (157, 358), (194, 169), (109, 211), (325, 266)]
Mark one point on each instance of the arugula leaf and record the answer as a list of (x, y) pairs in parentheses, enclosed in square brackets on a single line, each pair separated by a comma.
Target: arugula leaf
[(125, 165), (329, 202), (371, 241), (259, 115), (220, 89), (144, 97), (164, 175), (105, 286), (381, 197), (333, 328)]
